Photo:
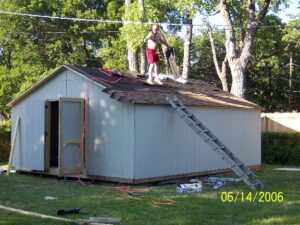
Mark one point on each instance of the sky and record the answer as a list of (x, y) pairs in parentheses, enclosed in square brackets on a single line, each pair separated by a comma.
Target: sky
[(284, 14), (294, 9)]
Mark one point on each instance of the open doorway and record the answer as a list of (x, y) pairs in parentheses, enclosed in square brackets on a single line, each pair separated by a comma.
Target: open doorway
[(53, 138), (52, 134), (64, 146)]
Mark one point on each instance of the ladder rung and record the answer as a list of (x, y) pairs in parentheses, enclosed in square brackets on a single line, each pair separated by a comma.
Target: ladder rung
[(210, 139), (238, 165), (202, 131), (189, 114), (246, 174), (207, 136)]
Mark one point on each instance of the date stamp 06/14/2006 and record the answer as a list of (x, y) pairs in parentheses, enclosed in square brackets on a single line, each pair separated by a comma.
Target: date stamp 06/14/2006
[(252, 197)]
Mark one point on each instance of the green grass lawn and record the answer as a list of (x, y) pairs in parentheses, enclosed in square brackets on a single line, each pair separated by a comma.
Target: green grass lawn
[(27, 192)]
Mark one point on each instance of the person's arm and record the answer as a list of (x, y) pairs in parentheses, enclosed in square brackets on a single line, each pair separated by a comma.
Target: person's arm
[(163, 40), (147, 37)]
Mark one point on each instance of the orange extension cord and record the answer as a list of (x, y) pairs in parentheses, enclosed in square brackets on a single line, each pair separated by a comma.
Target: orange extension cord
[(109, 73)]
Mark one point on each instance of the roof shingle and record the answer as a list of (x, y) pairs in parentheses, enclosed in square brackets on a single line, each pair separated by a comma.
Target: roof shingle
[(136, 90)]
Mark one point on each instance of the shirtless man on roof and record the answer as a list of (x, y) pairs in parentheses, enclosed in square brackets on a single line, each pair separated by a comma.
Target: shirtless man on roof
[(152, 40)]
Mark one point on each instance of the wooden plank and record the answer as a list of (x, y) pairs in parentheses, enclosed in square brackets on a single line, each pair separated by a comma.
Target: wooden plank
[(27, 213), (60, 138), (63, 143), (170, 177), (47, 137), (75, 142), (172, 63), (87, 222), (99, 220), (105, 220), (13, 146), (86, 140), (82, 148)]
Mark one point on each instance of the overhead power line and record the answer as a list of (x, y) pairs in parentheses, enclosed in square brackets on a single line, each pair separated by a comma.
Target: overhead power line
[(117, 21), (92, 20)]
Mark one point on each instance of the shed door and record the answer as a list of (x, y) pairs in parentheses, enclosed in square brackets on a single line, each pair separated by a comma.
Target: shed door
[(71, 157)]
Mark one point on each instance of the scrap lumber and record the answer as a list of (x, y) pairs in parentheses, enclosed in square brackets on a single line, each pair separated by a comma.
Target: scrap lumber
[(99, 220), (90, 221), (13, 146), (27, 213)]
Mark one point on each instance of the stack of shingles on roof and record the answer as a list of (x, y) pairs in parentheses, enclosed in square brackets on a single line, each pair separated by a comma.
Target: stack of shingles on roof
[(135, 90)]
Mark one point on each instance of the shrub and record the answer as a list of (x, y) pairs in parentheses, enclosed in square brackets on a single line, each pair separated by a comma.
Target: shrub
[(4, 140), (281, 148)]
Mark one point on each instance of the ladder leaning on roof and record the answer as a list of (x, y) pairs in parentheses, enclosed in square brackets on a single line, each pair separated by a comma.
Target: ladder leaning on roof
[(217, 146)]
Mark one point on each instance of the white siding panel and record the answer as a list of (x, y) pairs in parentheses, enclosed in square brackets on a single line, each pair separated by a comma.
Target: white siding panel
[(134, 141), (110, 130), (29, 151), (165, 145), (110, 127)]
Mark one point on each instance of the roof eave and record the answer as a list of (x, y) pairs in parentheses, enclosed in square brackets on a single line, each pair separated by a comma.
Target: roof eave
[(35, 86), (45, 80)]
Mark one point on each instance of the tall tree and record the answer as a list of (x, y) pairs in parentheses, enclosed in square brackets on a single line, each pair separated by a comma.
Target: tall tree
[(187, 47), (245, 15), (221, 72), (142, 49), (134, 31), (187, 10), (131, 51), (30, 47)]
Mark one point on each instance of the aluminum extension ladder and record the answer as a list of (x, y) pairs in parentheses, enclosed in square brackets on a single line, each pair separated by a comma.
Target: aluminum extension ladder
[(216, 145)]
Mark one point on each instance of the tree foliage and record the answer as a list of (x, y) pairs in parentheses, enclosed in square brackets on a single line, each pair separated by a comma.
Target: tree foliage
[(30, 47)]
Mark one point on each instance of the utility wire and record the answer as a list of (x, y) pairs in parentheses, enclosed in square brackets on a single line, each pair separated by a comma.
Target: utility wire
[(119, 21), (92, 20), (64, 32)]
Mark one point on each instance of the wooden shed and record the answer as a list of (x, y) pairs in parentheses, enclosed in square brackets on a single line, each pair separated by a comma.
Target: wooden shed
[(131, 134)]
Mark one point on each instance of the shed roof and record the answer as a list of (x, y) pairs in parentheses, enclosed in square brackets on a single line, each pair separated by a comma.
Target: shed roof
[(129, 89)]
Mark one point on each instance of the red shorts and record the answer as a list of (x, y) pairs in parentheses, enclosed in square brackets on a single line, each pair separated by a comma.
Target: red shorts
[(152, 56)]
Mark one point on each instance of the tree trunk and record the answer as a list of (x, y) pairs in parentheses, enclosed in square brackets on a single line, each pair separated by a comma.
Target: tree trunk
[(87, 54), (238, 79), (143, 50), (221, 73), (132, 60), (187, 46), (131, 53), (238, 58), (143, 60), (7, 58), (164, 50)]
